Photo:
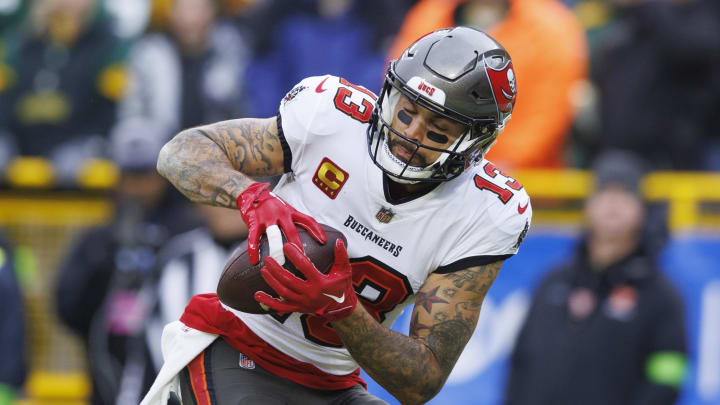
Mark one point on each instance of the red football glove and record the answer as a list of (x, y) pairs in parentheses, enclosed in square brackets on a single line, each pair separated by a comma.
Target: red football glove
[(260, 209), (330, 296)]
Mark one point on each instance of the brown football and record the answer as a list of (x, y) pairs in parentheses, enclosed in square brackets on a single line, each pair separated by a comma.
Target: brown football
[(240, 280)]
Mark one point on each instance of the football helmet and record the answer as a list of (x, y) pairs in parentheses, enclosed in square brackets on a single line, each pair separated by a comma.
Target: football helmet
[(460, 74)]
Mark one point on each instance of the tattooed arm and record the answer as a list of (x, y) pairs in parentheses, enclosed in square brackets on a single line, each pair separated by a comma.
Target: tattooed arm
[(214, 163), (414, 368)]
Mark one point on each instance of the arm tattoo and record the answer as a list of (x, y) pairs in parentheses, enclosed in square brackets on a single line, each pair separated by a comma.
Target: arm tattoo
[(415, 368), (403, 366), (454, 324), (214, 164), (248, 144), (427, 299)]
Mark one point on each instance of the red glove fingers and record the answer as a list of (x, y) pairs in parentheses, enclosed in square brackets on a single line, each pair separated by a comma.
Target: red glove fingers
[(341, 258), (282, 281), (302, 262), (260, 209), (254, 232), (285, 284), (310, 225), (275, 304), (330, 296)]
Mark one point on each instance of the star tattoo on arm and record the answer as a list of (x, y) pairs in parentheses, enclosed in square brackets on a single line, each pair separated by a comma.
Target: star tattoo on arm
[(426, 300)]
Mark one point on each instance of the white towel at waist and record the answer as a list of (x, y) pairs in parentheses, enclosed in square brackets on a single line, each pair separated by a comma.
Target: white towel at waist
[(180, 344)]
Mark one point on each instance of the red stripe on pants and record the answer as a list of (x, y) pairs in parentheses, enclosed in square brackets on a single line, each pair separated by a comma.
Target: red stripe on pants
[(198, 380)]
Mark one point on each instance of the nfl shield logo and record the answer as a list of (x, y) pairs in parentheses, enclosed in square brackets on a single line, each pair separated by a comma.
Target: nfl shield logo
[(246, 362), (384, 215)]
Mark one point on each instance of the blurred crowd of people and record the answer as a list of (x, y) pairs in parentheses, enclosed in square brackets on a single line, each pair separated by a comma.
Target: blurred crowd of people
[(71, 71), (592, 74), (114, 79)]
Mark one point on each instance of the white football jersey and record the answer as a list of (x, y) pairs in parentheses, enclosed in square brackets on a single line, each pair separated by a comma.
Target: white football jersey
[(478, 218)]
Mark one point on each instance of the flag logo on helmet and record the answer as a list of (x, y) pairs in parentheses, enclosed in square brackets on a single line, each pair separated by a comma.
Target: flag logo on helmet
[(504, 86)]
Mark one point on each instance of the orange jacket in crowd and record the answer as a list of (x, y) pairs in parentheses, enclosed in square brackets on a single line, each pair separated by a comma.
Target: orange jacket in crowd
[(549, 52)]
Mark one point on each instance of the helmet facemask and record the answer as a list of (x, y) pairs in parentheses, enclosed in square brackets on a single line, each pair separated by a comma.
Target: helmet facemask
[(470, 147)]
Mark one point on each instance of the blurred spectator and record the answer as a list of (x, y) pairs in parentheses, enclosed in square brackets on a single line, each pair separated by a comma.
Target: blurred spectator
[(100, 293), (64, 75), (383, 17), (548, 48), (12, 325), (656, 73), (608, 328), (130, 17), (11, 13), (8, 149), (191, 264), (317, 37), (190, 75), (251, 18)]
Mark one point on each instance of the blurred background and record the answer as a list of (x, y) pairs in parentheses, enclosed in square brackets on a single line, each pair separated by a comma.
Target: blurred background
[(97, 251)]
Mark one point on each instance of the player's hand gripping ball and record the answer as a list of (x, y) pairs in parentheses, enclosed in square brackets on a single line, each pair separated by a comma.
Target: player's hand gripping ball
[(328, 295), (241, 279), (261, 209)]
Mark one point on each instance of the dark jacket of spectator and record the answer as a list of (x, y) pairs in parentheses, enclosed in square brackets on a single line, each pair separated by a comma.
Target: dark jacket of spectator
[(597, 338), (656, 70), (12, 324)]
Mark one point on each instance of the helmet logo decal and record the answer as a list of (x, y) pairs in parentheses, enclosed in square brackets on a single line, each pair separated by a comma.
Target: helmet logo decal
[(427, 90), (504, 86), (511, 80)]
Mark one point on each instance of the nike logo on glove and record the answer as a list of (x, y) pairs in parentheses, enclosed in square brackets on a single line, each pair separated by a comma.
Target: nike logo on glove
[(339, 300), (319, 89)]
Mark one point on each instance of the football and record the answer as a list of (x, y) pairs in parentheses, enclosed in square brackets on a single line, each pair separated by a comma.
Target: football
[(240, 280)]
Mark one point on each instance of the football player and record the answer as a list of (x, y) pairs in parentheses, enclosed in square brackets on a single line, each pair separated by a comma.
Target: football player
[(428, 221)]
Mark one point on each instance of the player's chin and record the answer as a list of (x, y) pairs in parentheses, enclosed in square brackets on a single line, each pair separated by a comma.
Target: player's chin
[(417, 162)]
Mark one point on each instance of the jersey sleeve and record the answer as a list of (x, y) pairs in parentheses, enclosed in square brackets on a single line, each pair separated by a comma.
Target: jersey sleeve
[(492, 234), (306, 114)]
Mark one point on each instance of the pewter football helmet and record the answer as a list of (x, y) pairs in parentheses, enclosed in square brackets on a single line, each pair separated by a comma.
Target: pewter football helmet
[(461, 74)]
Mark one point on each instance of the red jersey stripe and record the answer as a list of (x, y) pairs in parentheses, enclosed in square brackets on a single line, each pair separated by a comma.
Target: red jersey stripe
[(198, 380)]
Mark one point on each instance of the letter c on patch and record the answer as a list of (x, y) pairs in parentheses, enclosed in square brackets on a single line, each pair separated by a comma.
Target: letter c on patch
[(328, 173), (330, 178)]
